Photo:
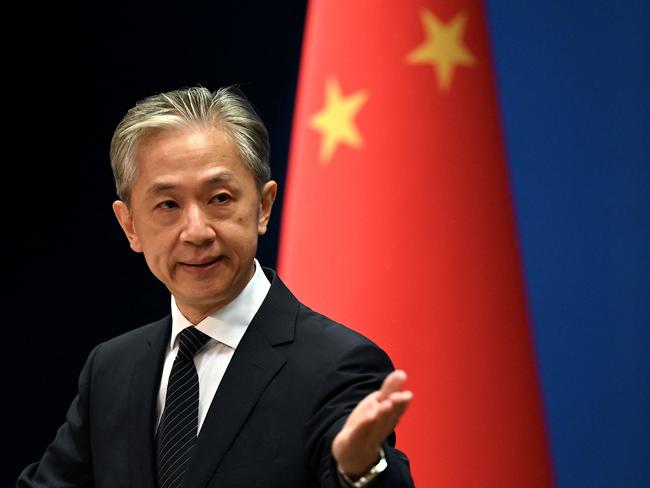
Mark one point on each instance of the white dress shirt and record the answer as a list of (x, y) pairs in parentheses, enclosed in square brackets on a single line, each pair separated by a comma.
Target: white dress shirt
[(226, 328)]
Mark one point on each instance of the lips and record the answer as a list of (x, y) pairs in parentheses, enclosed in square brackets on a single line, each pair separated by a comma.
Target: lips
[(200, 263)]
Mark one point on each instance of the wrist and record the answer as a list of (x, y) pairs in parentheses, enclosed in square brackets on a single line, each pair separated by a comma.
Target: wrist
[(358, 480), (354, 462)]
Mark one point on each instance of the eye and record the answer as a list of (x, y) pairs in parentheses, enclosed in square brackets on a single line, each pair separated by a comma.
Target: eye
[(222, 198), (167, 204)]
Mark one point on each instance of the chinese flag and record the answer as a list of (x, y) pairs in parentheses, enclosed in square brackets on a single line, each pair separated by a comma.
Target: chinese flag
[(398, 222)]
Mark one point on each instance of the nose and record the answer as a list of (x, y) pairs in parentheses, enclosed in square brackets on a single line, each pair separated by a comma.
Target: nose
[(197, 228)]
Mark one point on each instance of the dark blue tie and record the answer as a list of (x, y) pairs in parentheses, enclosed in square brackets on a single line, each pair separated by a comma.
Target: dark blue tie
[(178, 427)]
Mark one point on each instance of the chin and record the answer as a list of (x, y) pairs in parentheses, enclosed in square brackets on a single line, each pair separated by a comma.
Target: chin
[(206, 299)]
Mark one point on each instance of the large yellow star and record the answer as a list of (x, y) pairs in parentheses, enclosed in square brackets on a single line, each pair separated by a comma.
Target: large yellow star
[(335, 121), (443, 47)]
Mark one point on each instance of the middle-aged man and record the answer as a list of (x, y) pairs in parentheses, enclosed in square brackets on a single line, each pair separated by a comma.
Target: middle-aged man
[(241, 385)]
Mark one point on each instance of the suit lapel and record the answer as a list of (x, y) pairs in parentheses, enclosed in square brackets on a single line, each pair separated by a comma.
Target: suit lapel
[(252, 367), (142, 403)]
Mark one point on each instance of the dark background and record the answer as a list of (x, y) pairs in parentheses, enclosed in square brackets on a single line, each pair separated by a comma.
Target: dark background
[(73, 280), (573, 83)]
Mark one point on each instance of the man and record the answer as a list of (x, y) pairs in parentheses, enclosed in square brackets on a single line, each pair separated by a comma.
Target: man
[(279, 395)]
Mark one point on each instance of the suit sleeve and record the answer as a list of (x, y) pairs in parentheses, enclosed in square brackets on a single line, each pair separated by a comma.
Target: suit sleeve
[(358, 371), (67, 462)]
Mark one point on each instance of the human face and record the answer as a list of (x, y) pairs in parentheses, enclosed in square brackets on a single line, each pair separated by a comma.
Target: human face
[(195, 213)]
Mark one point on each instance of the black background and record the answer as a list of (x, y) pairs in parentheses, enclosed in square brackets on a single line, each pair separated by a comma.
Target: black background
[(71, 280)]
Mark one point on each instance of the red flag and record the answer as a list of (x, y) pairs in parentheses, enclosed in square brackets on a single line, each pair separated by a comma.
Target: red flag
[(398, 222)]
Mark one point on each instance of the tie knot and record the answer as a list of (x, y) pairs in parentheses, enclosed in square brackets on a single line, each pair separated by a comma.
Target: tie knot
[(191, 340)]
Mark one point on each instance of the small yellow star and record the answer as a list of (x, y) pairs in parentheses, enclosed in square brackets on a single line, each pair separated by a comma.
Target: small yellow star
[(335, 121), (443, 47)]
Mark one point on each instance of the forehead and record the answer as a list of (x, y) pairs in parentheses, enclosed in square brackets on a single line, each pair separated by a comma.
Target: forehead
[(188, 156), (185, 143)]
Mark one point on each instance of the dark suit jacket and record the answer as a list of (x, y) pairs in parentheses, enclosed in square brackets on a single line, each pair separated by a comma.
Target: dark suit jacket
[(292, 381)]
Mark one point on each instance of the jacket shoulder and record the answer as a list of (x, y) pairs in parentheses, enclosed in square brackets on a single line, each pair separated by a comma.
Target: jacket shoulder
[(332, 338), (153, 332)]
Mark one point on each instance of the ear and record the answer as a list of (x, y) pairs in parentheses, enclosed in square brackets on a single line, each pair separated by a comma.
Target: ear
[(124, 217), (269, 192)]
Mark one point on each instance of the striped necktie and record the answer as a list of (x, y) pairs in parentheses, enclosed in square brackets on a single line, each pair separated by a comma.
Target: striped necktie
[(177, 432)]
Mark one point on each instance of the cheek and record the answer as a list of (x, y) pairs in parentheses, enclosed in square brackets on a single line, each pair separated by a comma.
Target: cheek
[(158, 250), (241, 223), (240, 237)]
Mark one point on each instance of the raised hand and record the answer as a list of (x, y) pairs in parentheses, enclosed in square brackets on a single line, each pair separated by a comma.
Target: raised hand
[(356, 447)]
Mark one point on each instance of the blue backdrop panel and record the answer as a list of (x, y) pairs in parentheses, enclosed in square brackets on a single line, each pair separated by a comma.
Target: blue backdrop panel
[(573, 81)]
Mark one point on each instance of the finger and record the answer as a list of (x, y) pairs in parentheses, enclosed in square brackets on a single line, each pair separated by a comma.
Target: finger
[(387, 415), (383, 426), (368, 416), (391, 407), (400, 406), (392, 383), (400, 397), (373, 415), (399, 401), (374, 429)]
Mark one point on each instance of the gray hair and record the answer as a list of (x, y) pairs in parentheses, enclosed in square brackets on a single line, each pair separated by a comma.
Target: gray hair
[(227, 108)]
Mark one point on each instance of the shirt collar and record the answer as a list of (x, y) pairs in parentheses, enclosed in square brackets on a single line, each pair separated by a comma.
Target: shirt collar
[(228, 324)]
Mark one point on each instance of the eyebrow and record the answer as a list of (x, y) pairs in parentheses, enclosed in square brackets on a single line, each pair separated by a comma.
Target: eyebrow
[(158, 188)]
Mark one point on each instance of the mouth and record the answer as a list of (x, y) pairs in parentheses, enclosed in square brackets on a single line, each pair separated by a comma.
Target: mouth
[(200, 264)]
